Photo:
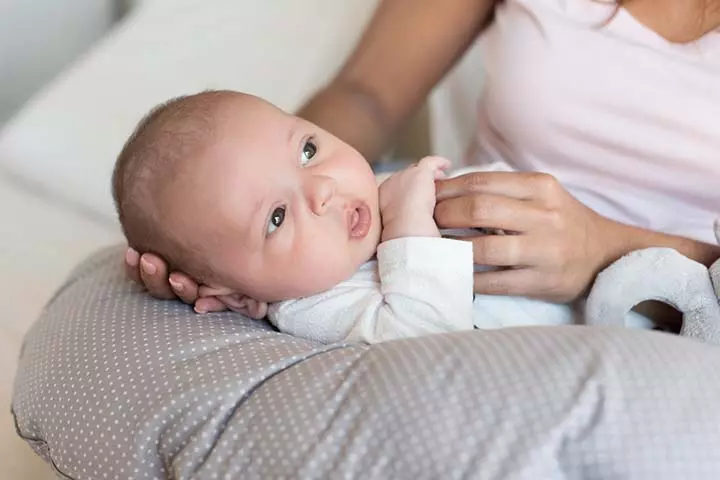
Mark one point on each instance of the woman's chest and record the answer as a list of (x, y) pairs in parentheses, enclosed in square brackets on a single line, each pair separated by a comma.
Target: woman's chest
[(619, 103)]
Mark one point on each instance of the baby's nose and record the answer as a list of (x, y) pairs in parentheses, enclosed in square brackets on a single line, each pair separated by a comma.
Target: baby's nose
[(321, 194)]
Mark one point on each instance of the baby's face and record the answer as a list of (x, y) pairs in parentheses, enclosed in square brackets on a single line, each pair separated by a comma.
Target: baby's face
[(281, 208)]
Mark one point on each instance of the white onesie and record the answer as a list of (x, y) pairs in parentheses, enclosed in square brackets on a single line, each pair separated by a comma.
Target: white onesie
[(417, 286)]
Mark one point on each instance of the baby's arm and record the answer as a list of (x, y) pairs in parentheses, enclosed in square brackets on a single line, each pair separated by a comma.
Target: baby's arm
[(425, 286)]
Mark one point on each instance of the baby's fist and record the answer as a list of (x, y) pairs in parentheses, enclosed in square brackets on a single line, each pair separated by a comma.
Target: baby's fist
[(437, 165), (407, 199)]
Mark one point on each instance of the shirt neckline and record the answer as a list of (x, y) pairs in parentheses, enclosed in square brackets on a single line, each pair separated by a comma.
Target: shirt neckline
[(625, 23)]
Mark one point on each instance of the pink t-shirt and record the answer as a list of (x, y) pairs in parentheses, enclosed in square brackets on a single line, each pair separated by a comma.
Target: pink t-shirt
[(627, 121)]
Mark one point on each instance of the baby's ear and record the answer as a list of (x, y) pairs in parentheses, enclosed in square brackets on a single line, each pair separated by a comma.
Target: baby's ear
[(237, 302)]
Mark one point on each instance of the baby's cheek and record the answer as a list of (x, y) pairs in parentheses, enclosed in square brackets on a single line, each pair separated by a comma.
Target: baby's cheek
[(332, 265)]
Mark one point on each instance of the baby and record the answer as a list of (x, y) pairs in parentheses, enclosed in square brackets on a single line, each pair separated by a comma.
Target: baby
[(284, 220)]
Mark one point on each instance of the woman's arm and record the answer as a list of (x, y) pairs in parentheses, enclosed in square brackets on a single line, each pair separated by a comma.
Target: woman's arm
[(628, 239), (405, 50)]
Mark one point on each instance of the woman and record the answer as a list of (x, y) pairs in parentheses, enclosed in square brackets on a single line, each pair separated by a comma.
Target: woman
[(618, 104)]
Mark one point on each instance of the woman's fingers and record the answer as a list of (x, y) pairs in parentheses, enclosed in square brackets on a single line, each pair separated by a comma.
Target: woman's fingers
[(154, 276), (504, 282), (213, 299), (132, 265), (526, 282), (152, 272), (209, 304), (184, 287), (560, 243), (490, 211), (501, 251), (519, 185), (514, 251), (207, 291)]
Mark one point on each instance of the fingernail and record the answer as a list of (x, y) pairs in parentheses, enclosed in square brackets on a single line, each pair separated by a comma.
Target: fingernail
[(148, 267), (177, 286), (200, 310), (132, 257)]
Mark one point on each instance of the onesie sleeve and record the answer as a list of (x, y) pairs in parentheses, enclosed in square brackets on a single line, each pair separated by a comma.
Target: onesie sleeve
[(424, 285)]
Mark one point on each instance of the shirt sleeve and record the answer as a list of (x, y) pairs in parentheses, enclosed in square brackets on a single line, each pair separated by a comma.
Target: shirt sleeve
[(424, 285)]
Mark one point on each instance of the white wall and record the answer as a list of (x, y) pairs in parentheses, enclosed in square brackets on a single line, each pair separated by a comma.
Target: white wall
[(39, 37)]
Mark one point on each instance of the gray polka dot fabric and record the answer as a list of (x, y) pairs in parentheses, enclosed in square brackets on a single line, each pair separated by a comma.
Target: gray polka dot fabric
[(115, 385)]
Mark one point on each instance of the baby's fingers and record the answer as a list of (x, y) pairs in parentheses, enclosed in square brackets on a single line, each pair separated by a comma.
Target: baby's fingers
[(209, 304), (435, 164)]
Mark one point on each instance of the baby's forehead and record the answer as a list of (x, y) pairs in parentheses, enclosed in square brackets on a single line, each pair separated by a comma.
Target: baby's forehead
[(206, 116), (258, 133), (246, 149), (256, 115)]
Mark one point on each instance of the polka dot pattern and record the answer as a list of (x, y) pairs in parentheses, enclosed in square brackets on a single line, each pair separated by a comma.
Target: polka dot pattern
[(115, 385)]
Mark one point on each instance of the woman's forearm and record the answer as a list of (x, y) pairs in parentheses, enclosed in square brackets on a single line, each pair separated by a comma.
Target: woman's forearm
[(405, 50), (624, 239), (352, 114)]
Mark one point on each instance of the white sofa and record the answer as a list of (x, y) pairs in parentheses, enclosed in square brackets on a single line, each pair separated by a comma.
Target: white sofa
[(56, 155)]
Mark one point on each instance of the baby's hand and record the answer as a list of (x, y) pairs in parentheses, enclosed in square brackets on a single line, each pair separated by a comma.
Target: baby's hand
[(407, 200)]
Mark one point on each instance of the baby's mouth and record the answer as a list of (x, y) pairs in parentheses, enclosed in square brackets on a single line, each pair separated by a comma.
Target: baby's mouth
[(360, 219)]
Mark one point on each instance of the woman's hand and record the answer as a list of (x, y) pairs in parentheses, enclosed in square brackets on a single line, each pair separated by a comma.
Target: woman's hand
[(152, 272), (559, 244)]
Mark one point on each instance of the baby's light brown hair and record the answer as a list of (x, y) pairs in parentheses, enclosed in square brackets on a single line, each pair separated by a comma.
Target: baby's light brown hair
[(164, 144)]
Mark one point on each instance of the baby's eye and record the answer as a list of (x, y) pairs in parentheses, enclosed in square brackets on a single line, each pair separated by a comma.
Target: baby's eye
[(309, 150), (276, 219)]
